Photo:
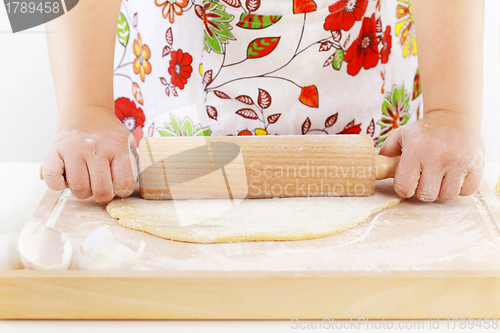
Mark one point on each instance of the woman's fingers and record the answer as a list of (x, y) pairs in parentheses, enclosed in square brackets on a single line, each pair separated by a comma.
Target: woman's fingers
[(452, 184), (472, 182), (430, 182), (124, 174), (100, 178), (407, 175), (392, 145), (408, 171), (53, 171), (77, 176)]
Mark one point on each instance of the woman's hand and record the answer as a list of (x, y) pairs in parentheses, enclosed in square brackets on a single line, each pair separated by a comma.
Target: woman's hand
[(441, 157), (93, 154)]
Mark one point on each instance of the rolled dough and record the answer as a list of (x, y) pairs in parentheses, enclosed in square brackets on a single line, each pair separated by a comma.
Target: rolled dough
[(252, 219)]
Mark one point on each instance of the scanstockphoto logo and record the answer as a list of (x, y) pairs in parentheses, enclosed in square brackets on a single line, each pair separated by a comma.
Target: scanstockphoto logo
[(31, 13), (204, 167)]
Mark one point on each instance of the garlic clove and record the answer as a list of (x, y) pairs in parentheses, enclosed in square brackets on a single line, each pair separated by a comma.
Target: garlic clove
[(99, 251), (9, 252), (44, 248)]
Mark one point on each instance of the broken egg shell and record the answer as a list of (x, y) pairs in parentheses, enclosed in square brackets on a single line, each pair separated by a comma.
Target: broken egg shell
[(9, 252), (98, 237), (99, 251), (44, 248)]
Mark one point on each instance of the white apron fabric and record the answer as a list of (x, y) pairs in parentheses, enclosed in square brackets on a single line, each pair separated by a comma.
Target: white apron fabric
[(260, 67)]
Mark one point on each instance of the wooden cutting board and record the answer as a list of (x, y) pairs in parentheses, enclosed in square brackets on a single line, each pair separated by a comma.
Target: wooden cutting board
[(415, 261)]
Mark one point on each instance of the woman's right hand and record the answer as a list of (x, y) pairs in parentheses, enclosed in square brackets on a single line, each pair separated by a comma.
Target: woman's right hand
[(93, 154)]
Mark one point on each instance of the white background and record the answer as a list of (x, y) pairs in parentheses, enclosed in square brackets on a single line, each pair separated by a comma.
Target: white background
[(28, 104)]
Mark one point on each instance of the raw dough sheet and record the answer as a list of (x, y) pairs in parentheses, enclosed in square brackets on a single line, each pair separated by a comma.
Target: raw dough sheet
[(251, 219)]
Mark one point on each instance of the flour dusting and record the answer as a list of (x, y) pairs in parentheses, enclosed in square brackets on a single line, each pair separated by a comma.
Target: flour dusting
[(411, 236)]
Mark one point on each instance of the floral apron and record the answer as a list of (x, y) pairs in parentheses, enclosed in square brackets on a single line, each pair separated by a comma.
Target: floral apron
[(259, 67)]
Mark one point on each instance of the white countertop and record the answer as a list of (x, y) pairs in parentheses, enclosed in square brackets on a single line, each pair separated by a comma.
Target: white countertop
[(22, 191)]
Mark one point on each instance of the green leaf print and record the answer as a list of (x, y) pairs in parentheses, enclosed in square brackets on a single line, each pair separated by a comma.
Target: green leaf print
[(187, 128), (176, 126), (394, 111), (165, 132), (338, 59), (123, 31), (213, 43), (404, 119), (217, 27), (205, 132), (396, 97), (261, 47), (182, 128), (386, 106), (254, 21), (406, 103)]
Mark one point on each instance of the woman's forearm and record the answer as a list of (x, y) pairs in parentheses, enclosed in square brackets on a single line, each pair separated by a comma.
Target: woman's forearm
[(450, 49), (81, 46)]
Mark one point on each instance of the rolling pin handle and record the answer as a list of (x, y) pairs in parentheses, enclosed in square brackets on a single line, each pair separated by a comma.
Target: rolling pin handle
[(386, 166)]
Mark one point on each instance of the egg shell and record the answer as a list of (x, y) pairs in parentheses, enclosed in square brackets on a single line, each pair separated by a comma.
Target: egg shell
[(44, 248), (9, 252), (99, 251)]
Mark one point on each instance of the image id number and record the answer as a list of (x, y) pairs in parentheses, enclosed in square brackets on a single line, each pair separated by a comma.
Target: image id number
[(470, 323), (31, 7)]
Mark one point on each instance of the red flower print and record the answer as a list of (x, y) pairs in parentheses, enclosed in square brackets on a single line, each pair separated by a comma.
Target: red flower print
[(180, 68), (386, 45), (351, 128), (344, 14), (129, 114), (364, 51), (132, 117)]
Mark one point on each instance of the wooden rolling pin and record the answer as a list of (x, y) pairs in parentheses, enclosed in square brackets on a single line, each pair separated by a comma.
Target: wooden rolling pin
[(260, 167)]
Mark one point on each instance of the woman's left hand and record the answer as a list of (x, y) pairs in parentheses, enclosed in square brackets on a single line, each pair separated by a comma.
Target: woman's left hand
[(441, 157)]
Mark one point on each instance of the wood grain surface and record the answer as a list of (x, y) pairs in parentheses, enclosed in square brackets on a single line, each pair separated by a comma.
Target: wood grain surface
[(256, 167), (202, 295), (402, 267)]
